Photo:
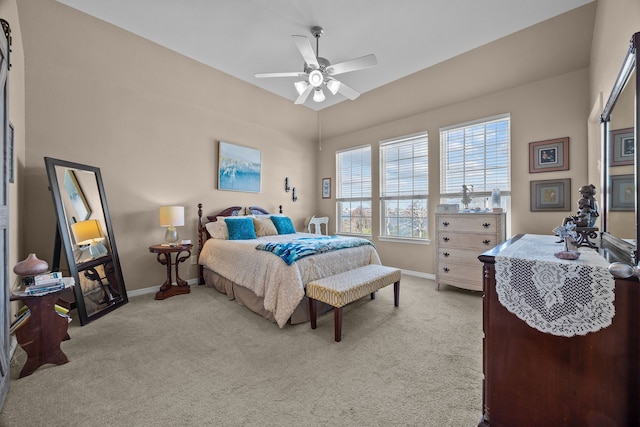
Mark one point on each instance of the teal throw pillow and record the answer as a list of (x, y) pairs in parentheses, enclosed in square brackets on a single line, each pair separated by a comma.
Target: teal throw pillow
[(283, 224), (240, 228)]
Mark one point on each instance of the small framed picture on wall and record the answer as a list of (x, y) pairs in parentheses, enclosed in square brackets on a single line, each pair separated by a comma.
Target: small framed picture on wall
[(326, 188), (622, 147), (550, 195), (548, 156)]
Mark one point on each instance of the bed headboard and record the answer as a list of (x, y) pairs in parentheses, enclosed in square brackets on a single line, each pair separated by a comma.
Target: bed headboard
[(203, 234)]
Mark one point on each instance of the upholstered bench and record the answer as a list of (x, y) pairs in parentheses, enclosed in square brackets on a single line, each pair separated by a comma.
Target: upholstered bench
[(344, 288)]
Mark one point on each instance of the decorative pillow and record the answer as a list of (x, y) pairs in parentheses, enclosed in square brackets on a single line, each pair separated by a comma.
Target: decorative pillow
[(217, 230), (264, 226), (240, 228), (283, 224)]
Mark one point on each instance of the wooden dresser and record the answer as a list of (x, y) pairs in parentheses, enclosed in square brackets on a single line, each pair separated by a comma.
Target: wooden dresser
[(461, 238), (533, 378)]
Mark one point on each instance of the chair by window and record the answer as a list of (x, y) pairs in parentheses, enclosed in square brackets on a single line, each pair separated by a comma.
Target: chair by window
[(316, 223)]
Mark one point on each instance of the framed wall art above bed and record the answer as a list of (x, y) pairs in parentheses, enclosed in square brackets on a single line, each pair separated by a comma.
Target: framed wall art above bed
[(239, 168)]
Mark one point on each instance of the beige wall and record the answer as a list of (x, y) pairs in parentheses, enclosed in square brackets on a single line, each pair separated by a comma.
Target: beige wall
[(538, 75), (616, 21), (150, 119), (551, 108)]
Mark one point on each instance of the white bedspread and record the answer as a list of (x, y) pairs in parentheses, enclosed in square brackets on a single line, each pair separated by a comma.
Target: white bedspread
[(268, 276)]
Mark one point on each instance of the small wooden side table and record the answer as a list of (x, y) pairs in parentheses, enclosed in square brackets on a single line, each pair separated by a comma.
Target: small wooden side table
[(42, 333), (168, 289)]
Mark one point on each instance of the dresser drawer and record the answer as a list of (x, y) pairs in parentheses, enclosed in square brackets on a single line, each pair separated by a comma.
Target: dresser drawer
[(460, 239), (468, 276), (459, 256), (469, 222), (481, 242)]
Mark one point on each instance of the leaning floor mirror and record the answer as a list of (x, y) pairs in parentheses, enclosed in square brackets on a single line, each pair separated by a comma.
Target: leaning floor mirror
[(85, 232)]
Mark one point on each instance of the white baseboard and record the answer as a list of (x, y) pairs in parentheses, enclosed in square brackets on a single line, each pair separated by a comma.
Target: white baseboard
[(154, 289), (419, 274)]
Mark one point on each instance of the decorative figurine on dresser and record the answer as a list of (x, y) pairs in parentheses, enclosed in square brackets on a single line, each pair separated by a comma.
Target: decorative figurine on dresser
[(586, 217), (461, 238)]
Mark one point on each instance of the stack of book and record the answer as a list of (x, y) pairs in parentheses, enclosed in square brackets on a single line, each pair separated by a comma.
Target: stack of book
[(21, 316), (24, 313), (44, 283)]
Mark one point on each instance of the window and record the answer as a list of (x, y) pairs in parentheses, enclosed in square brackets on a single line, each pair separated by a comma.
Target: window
[(353, 190), (476, 155), (404, 186)]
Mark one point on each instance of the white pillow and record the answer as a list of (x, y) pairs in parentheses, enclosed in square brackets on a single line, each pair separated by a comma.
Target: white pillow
[(218, 229)]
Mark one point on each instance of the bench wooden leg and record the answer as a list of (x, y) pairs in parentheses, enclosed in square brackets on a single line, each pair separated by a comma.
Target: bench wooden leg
[(396, 294), (312, 312), (337, 320)]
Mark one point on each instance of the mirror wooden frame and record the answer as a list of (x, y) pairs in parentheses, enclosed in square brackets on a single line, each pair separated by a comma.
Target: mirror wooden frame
[(623, 250), (63, 239)]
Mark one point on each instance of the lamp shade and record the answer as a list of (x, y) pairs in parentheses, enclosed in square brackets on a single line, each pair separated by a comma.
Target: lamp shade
[(301, 86), (334, 86), (318, 95), (87, 231), (171, 216)]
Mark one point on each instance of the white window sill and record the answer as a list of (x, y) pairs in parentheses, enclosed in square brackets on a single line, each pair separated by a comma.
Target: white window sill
[(404, 240)]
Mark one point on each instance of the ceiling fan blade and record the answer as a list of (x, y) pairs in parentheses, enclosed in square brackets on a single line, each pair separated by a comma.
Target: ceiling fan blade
[(348, 92), (303, 96), (366, 61), (304, 46), (291, 74)]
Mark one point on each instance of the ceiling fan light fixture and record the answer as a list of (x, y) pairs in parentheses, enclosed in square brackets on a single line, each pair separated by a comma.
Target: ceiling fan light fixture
[(300, 86), (333, 85), (315, 78), (318, 95)]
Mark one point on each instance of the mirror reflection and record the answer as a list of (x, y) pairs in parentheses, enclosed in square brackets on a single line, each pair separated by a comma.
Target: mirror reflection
[(620, 179), (620, 156), (86, 235)]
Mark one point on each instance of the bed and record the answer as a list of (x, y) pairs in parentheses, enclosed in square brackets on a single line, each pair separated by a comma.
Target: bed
[(261, 279)]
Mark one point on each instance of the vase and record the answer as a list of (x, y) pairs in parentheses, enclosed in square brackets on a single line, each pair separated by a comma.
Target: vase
[(31, 266)]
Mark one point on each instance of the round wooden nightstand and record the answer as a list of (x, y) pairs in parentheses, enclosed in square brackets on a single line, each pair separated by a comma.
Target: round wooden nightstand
[(168, 289)]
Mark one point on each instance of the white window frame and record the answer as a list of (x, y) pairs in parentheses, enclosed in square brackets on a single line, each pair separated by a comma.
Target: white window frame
[(484, 177), (404, 176), (356, 193)]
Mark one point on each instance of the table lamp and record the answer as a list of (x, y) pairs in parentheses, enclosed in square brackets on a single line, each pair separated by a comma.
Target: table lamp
[(171, 217), (89, 232)]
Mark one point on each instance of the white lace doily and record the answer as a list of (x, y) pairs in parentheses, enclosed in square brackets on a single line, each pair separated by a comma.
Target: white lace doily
[(554, 296)]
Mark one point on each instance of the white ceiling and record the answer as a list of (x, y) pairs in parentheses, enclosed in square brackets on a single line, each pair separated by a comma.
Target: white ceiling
[(244, 37)]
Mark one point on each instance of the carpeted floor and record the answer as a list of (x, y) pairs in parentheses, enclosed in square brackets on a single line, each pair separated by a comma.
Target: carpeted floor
[(201, 360)]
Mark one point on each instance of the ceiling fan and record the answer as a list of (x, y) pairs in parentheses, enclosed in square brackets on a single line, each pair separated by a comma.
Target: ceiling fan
[(319, 71)]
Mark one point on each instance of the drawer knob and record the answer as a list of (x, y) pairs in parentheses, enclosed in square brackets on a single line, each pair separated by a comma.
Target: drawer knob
[(446, 239), (445, 223), (486, 225), (446, 254), (486, 242), (446, 269)]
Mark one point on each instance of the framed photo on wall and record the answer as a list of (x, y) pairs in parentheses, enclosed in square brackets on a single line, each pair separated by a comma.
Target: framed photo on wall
[(550, 195), (239, 168), (326, 188), (622, 192), (548, 156), (622, 147)]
